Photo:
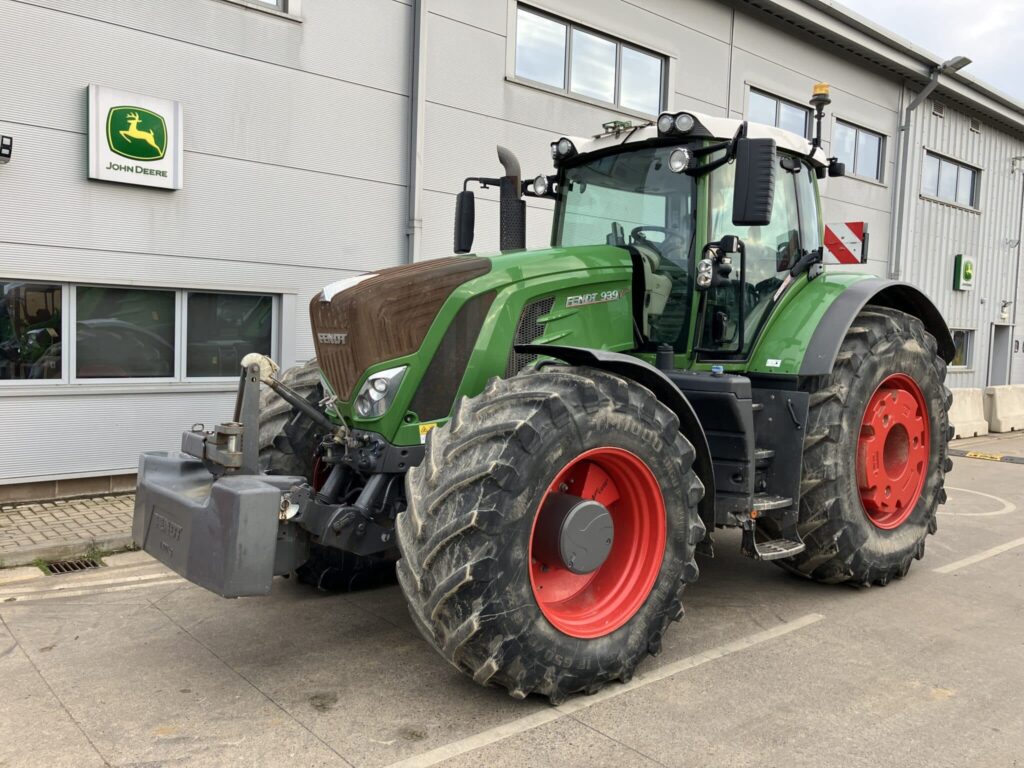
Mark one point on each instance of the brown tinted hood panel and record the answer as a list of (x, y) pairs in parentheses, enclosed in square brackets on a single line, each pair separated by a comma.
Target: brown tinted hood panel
[(383, 317)]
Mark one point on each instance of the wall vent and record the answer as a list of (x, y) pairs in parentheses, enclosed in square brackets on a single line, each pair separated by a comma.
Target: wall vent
[(527, 330), (975, 125), (938, 109)]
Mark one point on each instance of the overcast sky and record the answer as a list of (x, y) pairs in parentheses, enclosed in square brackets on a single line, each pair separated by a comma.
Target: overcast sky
[(991, 32)]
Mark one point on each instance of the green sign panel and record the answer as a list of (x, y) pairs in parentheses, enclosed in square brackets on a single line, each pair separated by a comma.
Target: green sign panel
[(136, 133), (963, 273)]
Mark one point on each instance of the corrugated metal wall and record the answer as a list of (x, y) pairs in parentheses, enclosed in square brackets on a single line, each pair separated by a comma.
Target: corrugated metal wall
[(938, 231), (295, 174)]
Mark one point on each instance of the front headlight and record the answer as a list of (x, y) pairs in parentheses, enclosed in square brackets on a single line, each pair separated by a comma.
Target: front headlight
[(379, 391)]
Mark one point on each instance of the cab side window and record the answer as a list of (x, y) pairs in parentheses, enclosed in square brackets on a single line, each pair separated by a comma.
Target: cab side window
[(771, 251)]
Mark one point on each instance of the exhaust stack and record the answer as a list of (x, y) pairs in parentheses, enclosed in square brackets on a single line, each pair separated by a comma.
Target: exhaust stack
[(513, 207)]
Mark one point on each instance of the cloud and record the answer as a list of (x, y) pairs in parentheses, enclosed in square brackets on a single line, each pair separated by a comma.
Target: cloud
[(991, 33)]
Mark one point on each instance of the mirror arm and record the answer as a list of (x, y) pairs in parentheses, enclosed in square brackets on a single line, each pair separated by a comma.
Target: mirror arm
[(730, 154), (484, 182)]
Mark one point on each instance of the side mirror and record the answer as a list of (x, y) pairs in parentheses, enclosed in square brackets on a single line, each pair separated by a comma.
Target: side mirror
[(465, 221), (754, 192)]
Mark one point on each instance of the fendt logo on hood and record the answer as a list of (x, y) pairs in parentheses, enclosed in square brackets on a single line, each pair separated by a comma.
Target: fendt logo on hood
[(136, 133), (332, 338)]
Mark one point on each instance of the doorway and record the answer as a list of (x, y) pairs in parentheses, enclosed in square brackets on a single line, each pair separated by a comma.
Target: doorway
[(999, 356)]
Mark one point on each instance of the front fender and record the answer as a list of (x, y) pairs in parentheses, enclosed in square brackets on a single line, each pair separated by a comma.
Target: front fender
[(647, 375)]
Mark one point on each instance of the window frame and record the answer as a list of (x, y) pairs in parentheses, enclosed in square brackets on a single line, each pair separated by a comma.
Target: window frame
[(286, 9), (882, 146), (779, 101), (566, 89), (969, 336), (69, 338), (975, 204)]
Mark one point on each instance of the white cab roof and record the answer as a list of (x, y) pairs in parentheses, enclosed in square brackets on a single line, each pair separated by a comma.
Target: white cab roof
[(723, 128)]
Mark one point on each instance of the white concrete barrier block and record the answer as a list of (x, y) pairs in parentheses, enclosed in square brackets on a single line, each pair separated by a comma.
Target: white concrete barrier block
[(1004, 407), (967, 413)]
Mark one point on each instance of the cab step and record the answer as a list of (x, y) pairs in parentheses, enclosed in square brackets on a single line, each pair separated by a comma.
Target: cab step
[(763, 457), (776, 549), (765, 503)]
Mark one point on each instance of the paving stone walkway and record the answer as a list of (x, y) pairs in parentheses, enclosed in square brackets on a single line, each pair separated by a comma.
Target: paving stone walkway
[(51, 530)]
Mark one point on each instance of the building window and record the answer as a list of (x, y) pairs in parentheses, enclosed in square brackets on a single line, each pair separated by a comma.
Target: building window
[(222, 328), (576, 60), (963, 341), (280, 5), (124, 333), (949, 180), (860, 150), (120, 334), (771, 110), (30, 331)]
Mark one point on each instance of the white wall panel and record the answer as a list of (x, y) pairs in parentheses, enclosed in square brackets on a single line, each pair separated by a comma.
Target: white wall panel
[(234, 107), (318, 45), (229, 209), (101, 434)]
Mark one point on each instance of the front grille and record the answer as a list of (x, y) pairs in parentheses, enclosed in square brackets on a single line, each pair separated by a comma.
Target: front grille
[(528, 329)]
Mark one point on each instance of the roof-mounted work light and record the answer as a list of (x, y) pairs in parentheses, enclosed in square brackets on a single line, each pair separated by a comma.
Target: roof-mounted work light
[(562, 149), (670, 124)]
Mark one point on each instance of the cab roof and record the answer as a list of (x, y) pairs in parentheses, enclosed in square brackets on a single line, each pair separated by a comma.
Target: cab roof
[(705, 126)]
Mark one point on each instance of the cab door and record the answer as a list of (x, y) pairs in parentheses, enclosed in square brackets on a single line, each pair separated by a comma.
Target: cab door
[(748, 296)]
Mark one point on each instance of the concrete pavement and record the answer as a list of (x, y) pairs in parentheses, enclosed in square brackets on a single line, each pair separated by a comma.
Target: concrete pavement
[(129, 665)]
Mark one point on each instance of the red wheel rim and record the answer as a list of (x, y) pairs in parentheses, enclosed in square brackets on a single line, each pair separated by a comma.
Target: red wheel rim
[(893, 451), (597, 603)]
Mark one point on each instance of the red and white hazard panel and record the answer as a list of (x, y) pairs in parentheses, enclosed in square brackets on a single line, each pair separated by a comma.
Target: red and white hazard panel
[(846, 243)]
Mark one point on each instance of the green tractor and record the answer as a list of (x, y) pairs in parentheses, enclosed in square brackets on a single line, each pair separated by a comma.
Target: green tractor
[(541, 441)]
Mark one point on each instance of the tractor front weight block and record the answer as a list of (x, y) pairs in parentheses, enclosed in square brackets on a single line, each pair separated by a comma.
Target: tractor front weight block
[(224, 534)]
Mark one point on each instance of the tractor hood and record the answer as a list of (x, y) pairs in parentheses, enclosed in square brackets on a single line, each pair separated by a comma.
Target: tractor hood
[(365, 320), (447, 321)]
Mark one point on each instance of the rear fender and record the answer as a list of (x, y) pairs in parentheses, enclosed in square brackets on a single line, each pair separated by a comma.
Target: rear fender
[(824, 344), (647, 375)]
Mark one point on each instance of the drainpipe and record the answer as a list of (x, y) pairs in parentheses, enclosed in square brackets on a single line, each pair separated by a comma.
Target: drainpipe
[(417, 97), (1018, 165), (896, 246)]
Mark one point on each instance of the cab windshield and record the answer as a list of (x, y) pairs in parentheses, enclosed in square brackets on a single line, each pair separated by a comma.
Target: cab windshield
[(632, 198)]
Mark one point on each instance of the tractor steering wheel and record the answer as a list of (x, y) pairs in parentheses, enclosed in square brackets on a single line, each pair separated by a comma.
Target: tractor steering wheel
[(637, 233)]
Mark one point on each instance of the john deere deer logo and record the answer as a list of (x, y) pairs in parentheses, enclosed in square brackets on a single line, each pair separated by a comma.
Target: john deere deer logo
[(136, 133)]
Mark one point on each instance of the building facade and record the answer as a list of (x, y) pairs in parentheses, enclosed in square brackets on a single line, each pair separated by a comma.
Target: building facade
[(325, 138)]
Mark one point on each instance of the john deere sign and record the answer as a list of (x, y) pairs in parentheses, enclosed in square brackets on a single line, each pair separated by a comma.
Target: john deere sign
[(134, 139), (963, 273)]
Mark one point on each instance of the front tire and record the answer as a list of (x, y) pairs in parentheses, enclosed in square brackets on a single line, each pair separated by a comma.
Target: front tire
[(875, 453), (473, 565)]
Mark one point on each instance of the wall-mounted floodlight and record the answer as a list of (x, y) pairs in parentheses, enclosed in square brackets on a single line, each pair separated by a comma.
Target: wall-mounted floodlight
[(952, 65), (6, 148)]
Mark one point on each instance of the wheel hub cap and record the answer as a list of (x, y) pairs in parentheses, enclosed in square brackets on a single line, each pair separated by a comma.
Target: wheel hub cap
[(581, 530), (597, 543), (893, 451)]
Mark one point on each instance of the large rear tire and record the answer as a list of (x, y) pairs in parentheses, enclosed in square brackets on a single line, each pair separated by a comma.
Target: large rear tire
[(476, 544), (291, 452), (875, 453)]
